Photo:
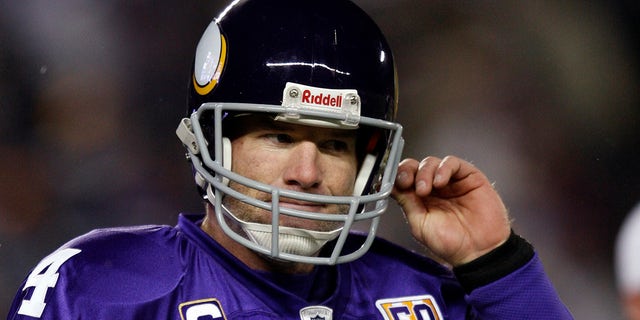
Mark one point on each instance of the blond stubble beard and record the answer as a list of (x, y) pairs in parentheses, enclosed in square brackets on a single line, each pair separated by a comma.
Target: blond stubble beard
[(252, 214)]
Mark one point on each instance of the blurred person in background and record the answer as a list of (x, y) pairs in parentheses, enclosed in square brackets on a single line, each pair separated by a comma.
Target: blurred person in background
[(627, 264)]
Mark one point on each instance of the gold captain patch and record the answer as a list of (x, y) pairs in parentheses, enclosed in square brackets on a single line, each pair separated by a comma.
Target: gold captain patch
[(207, 308)]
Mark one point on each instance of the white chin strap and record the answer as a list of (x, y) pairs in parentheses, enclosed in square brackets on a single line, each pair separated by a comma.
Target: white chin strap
[(290, 240)]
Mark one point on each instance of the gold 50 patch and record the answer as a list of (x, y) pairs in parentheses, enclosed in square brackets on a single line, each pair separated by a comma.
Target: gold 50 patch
[(414, 308)]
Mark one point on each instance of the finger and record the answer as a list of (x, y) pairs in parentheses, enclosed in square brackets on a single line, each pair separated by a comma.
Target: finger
[(404, 188), (455, 176), (425, 175), (452, 169), (406, 173), (448, 168)]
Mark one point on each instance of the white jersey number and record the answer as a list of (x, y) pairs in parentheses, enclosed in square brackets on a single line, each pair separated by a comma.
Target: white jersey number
[(42, 281)]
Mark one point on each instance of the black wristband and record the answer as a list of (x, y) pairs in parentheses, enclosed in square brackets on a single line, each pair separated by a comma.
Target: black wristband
[(499, 262)]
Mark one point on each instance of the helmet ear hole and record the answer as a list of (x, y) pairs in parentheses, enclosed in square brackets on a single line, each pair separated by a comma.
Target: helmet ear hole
[(200, 180)]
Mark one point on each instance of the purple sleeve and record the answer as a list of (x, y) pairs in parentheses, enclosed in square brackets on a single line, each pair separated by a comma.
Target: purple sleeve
[(106, 274), (42, 290), (526, 293)]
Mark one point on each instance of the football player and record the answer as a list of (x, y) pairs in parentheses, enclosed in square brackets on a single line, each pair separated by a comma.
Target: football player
[(291, 135)]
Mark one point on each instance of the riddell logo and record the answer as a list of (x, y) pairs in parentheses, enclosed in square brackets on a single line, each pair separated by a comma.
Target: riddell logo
[(321, 99)]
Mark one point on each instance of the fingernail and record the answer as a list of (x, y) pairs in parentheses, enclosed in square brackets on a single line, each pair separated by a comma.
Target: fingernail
[(421, 186), (402, 177), (437, 179)]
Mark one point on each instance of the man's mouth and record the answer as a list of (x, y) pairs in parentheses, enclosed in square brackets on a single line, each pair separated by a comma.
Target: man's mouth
[(301, 205)]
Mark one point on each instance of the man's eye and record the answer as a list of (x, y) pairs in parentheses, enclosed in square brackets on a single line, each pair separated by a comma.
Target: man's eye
[(336, 146), (280, 138)]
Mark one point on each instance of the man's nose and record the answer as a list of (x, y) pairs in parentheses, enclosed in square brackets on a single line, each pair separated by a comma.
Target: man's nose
[(303, 168)]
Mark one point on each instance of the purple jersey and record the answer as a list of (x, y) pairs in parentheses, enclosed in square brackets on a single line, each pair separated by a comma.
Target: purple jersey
[(162, 272)]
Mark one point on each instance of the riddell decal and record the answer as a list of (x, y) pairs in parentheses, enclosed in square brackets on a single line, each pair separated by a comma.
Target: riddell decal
[(333, 100), (325, 107), (321, 99), (413, 307), (210, 59)]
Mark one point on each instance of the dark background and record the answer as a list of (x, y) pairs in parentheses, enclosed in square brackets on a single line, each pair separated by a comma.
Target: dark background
[(543, 96)]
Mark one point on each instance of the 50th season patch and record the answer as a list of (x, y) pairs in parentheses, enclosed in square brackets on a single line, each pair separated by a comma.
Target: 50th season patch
[(422, 307)]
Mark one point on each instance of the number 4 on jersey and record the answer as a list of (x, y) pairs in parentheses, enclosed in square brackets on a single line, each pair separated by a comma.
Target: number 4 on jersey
[(43, 277)]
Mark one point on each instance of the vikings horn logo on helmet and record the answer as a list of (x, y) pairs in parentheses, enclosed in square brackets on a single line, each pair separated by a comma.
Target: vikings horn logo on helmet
[(210, 57)]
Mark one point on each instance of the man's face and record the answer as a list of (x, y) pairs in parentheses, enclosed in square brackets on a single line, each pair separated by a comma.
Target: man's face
[(293, 157)]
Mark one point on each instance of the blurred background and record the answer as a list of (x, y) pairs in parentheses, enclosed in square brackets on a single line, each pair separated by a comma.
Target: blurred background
[(541, 95)]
